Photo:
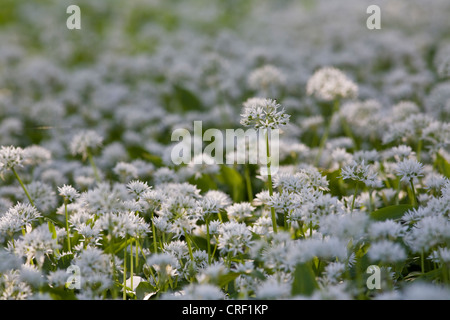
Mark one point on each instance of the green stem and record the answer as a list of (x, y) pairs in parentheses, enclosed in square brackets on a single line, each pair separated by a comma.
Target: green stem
[(422, 261), (326, 132), (131, 265), (248, 182), (208, 240), (155, 246), (399, 186), (269, 178), (346, 127), (23, 186), (188, 241), (414, 197), (137, 253), (94, 167), (354, 196), (419, 149), (125, 272), (69, 247)]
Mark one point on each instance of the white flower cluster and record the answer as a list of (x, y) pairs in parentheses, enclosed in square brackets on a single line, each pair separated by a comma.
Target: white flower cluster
[(263, 114), (331, 83)]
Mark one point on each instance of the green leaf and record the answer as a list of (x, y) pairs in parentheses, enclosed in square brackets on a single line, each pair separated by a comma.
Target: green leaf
[(227, 278), (233, 179), (52, 229), (143, 289), (304, 280), (391, 212), (204, 183), (443, 165), (186, 99)]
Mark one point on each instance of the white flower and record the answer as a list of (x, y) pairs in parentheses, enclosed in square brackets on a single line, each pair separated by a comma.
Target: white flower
[(240, 211), (44, 197), (234, 237), (386, 229), (13, 287), (68, 192), (273, 289), (386, 251), (85, 142), (36, 154), (330, 83), (36, 244), (265, 78), (18, 217), (409, 169), (125, 170), (263, 114), (440, 255), (138, 188), (197, 291), (10, 157), (358, 171)]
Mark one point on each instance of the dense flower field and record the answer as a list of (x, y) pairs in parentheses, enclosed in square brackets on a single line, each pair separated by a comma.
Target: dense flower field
[(92, 205)]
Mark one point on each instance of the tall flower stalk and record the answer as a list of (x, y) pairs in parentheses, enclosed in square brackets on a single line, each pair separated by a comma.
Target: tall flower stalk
[(331, 84), (69, 194), (265, 114), (10, 158)]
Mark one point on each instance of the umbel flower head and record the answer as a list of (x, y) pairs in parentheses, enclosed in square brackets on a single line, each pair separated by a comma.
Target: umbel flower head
[(266, 77), (10, 157), (330, 83), (263, 114), (68, 192), (85, 142), (409, 169)]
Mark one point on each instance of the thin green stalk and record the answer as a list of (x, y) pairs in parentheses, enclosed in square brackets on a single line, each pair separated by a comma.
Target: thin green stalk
[(422, 261), (137, 253), (414, 197), (23, 186), (399, 185), (345, 126), (371, 202), (131, 265), (94, 167), (248, 183), (419, 149), (326, 132), (269, 178), (208, 240), (354, 196), (188, 241), (445, 273), (69, 247), (125, 272), (155, 246)]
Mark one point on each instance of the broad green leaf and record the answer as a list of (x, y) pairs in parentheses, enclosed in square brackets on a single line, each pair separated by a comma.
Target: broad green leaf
[(233, 179), (304, 280), (144, 288), (200, 242), (187, 99), (227, 278), (443, 165), (52, 229), (204, 183), (391, 212)]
